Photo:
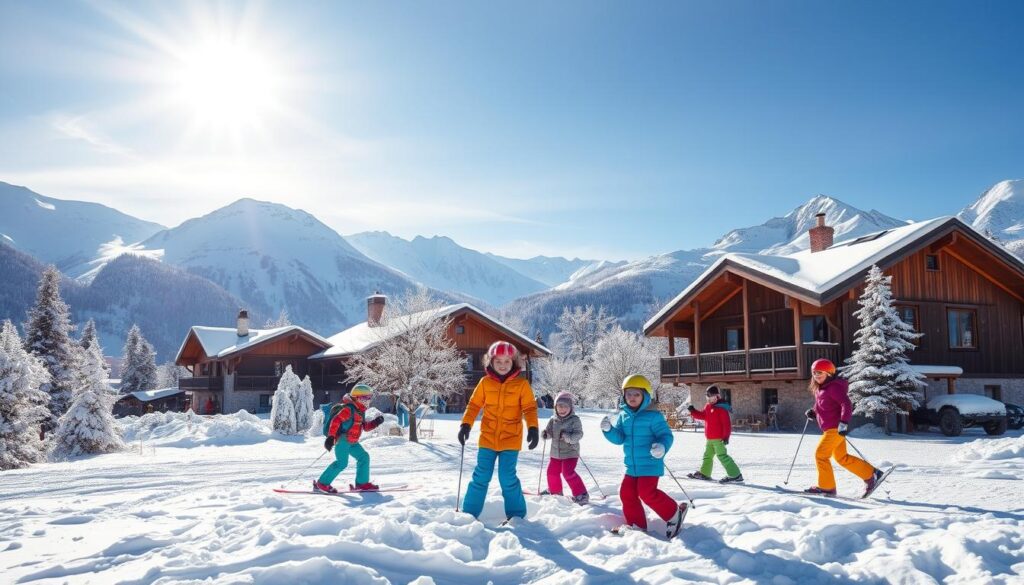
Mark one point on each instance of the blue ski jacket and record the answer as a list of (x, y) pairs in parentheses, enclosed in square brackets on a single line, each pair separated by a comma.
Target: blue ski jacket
[(636, 431)]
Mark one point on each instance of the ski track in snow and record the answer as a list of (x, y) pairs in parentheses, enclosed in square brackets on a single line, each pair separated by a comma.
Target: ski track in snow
[(206, 514)]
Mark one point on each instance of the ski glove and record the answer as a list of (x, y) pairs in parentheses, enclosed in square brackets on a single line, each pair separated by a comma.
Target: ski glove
[(725, 441), (545, 435), (532, 437), (810, 414), (657, 450), (606, 424), (843, 429), (376, 422), (329, 443), (463, 433), (691, 408)]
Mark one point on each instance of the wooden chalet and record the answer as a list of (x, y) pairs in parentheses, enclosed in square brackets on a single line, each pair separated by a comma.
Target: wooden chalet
[(472, 330), (754, 323)]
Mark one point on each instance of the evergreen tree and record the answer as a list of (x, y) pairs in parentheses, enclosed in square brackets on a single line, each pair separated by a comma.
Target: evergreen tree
[(88, 427), (282, 320), (48, 337), (302, 400), (22, 403), (282, 406), (138, 364), (881, 380), (89, 337)]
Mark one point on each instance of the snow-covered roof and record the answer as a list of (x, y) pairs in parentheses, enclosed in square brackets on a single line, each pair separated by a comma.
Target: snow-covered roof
[(150, 395), (816, 275), (218, 342), (361, 337)]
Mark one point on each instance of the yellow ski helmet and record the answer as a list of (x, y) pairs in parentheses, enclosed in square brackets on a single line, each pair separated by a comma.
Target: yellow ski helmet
[(636, 381)]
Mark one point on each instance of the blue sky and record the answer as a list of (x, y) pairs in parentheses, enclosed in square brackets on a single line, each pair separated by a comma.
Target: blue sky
[(595, 129)]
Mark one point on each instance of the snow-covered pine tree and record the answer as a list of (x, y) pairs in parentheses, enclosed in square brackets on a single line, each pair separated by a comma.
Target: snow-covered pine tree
[(282, 405), (282, 320), (48, 337), (413, 357), (22, 403), (168, 374), (619, 354), (302, 399), (881, 380), (138, 363), (88, 427), (89, 337)]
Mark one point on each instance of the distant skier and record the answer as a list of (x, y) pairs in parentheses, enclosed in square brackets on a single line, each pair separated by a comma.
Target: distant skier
[(832, 410), (344, 425), (645, 437), (506, 400), (717, 429), (565, 431)]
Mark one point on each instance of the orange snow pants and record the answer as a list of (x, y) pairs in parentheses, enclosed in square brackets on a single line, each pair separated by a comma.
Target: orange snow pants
[(832, 444)]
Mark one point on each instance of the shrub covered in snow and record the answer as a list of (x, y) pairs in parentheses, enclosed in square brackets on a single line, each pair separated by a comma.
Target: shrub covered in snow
[(282, 406), (22, 403), (302, 399)]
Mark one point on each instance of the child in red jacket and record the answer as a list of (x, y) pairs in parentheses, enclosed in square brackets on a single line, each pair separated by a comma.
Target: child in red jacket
[(717, 428)]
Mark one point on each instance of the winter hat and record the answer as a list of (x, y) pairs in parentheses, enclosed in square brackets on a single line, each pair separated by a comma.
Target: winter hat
[(565, 398), (504, 348), (712, 391)]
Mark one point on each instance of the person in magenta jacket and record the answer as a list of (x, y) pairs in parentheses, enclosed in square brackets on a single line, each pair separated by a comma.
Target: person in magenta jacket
[(717, 428), (832, 410)]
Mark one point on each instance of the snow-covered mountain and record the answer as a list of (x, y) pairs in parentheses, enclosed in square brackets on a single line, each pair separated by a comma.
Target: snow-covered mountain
[(635, 290), (274, 257), (999, 214), (553, 271), (62, 232), (440, 263)]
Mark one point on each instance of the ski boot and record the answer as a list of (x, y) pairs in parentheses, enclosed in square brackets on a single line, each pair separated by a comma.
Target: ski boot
[(737, 479), (698, 475), (817, 491), (673, 526), (323, 488), (581, 499), (364, 487), (872, 482)]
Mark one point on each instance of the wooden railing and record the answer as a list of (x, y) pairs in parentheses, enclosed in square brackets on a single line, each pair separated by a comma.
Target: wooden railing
[(201, 383), (763, 362)]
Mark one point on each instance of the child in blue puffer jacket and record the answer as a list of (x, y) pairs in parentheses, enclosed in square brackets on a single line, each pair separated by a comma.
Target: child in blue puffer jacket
[(645, 437)]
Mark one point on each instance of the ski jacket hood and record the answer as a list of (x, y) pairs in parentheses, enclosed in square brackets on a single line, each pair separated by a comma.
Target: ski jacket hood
[(636, 430), (565, 397)]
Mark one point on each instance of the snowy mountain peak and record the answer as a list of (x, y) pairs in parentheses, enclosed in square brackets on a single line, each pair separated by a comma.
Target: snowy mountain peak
[(999, 210)]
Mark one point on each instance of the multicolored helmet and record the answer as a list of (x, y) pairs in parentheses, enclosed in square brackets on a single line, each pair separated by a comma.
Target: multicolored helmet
[(360, 390), (502, 348), (824, 365)]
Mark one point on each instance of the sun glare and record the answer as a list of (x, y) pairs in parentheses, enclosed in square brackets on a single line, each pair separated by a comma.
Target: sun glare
[(227, 85)]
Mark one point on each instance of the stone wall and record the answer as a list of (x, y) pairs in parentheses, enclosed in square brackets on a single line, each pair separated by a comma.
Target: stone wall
[(747, 399), (1010, 389), (237, 400)]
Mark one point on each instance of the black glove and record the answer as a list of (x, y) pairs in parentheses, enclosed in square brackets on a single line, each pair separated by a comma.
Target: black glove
[(725, 441), (463, 433), (532, 437), (329, 443), (545, 434), (691, 408), (810, 414), (378, 420)]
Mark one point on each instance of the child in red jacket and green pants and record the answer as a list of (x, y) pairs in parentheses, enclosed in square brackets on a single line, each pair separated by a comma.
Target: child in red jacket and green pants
[(717, 428)]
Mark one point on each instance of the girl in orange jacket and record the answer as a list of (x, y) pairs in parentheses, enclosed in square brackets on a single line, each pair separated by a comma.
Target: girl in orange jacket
[(506, 400)]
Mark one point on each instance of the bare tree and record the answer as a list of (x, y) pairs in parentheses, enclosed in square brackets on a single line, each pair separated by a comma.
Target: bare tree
[(411, 356), (580, 329), (619, 354), (561, 374)]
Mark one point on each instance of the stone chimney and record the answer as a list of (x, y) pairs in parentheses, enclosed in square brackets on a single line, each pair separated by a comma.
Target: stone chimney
[(243, 323), (375, 308), (821, 235)]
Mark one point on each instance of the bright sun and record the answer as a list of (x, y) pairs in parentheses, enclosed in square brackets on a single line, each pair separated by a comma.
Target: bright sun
[(227, 85)]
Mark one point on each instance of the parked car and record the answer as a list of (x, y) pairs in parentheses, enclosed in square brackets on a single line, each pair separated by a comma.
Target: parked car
[(953, 412), (1014, 416)]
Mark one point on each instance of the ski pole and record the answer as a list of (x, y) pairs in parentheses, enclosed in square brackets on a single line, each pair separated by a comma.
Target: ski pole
[(692, 505), (458, 490), (540, 471), (592, 477), (848, 442), (806, 422), (305, 469)]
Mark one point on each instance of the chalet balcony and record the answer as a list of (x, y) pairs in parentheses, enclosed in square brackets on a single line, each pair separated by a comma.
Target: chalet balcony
[(201, 383), (768, 363)]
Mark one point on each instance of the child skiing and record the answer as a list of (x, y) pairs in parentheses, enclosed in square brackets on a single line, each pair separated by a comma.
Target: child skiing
[(717, 428), (645, 437), (565, 431), (832, 409), (506, 400), (347, 423)]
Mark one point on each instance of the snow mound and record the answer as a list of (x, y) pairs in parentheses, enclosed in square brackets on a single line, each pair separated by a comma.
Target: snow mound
[(993, 450), (187, 429), (868, 430)]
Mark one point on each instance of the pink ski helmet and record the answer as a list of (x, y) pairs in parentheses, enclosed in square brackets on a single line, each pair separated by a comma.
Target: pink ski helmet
[(502, 348)]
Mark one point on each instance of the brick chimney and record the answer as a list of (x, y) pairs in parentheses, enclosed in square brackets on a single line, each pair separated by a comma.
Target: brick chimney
[(821, 235), (375, 308), (243, 323)]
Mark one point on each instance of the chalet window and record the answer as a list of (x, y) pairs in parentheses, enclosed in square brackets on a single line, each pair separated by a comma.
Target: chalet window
[(460, 329), (813, 329), (733, 338), (931, 262), (994, 392), (769, 396), (908, 314), (963, 332), (204, 369)]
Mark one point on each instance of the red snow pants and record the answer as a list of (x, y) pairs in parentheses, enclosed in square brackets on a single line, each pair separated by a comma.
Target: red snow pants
[(635, 490)]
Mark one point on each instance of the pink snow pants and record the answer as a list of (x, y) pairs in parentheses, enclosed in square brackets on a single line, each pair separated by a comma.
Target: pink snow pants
[(635, 490), (559, 468)]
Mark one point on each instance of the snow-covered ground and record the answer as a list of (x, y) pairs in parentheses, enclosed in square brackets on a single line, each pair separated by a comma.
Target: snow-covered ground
[(194, 505)]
